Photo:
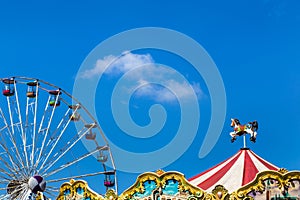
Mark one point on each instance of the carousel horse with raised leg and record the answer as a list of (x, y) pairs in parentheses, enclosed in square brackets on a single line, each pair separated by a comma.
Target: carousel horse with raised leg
[(239, 130)]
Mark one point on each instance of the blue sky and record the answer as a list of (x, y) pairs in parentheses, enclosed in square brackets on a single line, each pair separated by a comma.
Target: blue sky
[(254, 44)]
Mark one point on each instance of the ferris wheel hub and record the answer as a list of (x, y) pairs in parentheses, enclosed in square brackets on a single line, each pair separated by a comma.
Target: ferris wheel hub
[(36, 184)]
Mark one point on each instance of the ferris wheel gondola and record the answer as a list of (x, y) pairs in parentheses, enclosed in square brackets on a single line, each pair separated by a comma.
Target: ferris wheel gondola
[(44, 135)]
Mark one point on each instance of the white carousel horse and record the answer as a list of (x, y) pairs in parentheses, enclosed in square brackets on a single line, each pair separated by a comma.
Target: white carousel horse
[(239, 130)]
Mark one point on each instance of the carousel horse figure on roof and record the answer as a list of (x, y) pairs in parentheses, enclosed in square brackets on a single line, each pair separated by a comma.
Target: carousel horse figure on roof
[(239, 130)]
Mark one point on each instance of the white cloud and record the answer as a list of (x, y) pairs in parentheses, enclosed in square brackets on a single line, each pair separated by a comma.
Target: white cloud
[(112, 65), (179, 91)]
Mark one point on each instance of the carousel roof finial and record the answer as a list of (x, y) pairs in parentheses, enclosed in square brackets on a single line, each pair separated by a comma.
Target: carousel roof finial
[(243, 130)]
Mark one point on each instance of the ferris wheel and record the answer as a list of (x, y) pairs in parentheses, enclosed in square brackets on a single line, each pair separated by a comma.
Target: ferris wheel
[(46, 138)]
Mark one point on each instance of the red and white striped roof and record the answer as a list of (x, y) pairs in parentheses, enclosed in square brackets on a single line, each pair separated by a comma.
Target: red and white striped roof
[(234, 172)]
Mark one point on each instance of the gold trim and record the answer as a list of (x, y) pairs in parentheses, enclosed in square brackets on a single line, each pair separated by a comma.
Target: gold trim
[(220, 192), (111, 195), (258, 185), (161, 178), (283, 179), (72, 186)]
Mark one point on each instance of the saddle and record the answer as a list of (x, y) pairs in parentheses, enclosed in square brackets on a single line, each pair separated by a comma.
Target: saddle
[(240, 130)]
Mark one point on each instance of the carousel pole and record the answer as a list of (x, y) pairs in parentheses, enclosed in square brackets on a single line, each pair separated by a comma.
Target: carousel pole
[(244, 137)]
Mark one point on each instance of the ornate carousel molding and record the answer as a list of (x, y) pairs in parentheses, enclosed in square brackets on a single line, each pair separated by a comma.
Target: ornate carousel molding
[(161, 181), (173, 186), (75, 190), (282, 180)]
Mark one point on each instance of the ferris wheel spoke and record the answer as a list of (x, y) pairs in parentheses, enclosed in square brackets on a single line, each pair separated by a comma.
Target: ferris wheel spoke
[(15, 147), (13, 171), (4, 179), (34, 126), (53, 188), (17, 191), (2, 116), (27, 112), (23, 135), (10, 115), (79, 176), (110, 154), (5, 147), (43, 117), (10, 157), (47, 131), (16, 166), (12, 139), (64, 126), (36, 135), (63, 150), (51, 192), (5, 196), (68, 164), (66, 148), (2, 182), (24, 194)]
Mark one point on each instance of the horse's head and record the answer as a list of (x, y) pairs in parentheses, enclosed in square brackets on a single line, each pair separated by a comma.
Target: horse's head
[(235, 122)]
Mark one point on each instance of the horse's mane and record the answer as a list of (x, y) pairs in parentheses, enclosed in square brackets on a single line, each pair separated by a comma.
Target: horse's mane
[(237, 121)]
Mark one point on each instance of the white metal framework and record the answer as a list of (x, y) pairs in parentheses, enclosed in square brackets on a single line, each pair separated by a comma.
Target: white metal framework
[(42, 131)]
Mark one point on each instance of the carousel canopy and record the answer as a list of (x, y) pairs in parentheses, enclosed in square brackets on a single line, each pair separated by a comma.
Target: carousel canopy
[(234, 172)]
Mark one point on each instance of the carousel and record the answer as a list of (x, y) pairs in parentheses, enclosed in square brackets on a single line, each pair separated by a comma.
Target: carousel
[(48, 136), (243, 176)]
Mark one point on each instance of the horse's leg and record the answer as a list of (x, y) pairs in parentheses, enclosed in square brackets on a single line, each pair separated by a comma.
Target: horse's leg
[(233, 136), (253, 136), (250, 132)]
